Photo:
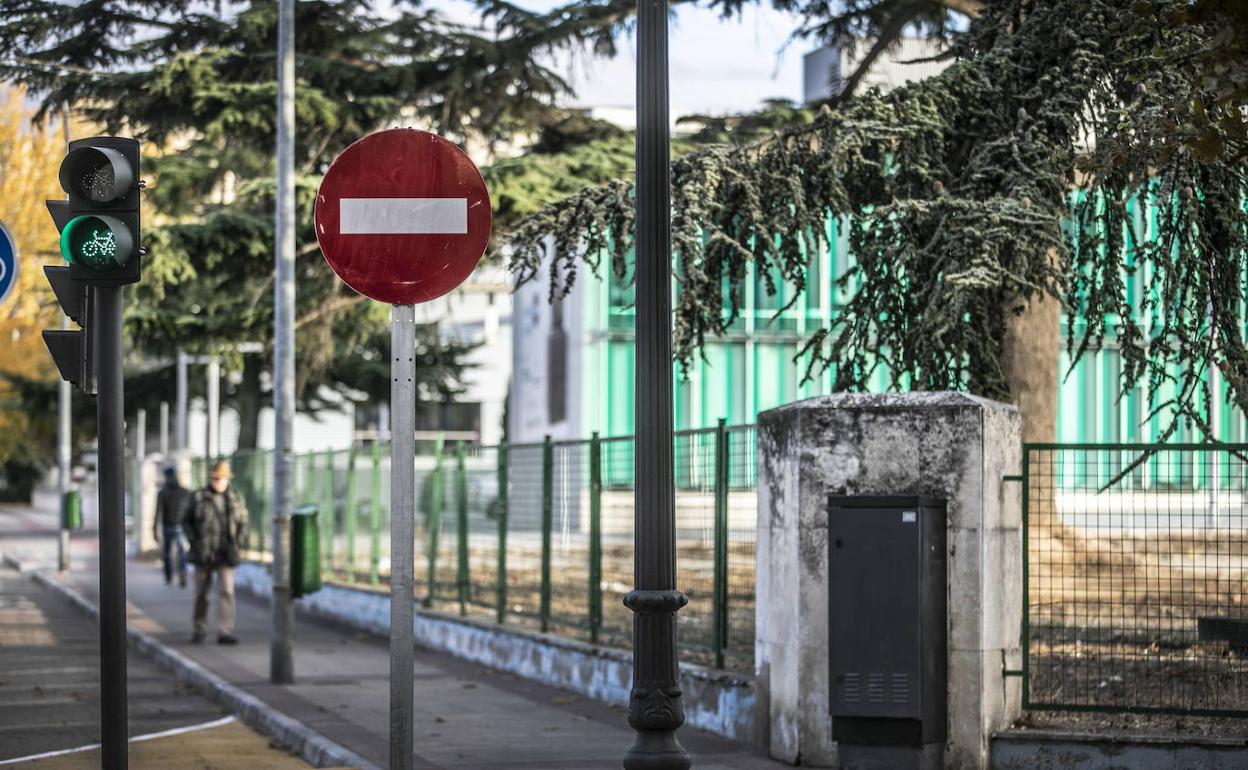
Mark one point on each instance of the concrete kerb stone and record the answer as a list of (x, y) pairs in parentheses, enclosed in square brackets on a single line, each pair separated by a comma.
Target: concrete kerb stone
[(1030, 749), (291, 734), (12, 562)]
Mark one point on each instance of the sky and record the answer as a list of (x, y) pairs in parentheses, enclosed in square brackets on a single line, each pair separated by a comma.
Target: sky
[(717, 66)]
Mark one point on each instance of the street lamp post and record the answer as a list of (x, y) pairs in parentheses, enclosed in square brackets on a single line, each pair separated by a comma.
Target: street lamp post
[(655, 707)]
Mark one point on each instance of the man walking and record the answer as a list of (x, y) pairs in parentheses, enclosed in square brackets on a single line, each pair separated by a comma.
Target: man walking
[(167, 528), (216, 525)]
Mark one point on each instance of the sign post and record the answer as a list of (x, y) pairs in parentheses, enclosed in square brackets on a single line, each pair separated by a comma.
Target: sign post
[(402, 217)]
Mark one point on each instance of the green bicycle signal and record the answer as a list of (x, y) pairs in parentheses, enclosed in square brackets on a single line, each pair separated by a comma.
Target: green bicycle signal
[(97, 242)]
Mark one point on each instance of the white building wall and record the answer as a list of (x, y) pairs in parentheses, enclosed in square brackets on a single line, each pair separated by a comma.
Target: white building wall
[(532, 322), (824, 69), (480, 312), (328, 430)]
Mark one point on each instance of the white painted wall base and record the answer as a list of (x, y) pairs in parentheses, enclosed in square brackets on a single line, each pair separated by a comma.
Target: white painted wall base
[(720, 702)]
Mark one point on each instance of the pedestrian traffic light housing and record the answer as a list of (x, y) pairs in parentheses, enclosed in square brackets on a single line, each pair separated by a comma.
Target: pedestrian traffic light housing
[(99, 223)]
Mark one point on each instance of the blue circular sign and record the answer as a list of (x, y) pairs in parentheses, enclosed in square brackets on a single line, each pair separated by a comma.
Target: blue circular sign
[(8, 263)]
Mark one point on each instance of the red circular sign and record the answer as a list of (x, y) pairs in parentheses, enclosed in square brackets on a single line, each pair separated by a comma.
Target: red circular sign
[(403, 216)]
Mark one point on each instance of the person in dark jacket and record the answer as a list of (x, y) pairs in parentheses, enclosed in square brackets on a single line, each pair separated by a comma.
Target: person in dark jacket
[(171, 503), (216, 527)]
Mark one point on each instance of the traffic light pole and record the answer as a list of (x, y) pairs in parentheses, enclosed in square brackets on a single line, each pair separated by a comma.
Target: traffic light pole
[(99, 224), (112, 485), (655, 708)]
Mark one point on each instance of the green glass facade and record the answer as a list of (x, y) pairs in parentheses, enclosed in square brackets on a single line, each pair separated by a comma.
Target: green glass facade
[(752, 368)]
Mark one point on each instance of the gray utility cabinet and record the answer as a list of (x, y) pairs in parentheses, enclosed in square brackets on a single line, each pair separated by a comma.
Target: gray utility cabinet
[(887, 631)]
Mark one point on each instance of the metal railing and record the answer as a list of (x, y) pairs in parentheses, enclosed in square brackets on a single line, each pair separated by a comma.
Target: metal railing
[(537, 535), (1136, 557)]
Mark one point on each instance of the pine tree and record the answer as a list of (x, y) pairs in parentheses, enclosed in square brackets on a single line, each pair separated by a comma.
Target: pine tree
[(198, 87), (977, 198)]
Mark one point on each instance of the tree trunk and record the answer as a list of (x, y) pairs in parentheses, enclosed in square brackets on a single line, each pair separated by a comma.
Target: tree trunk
[(247, 401), (1032, 347), (1031, 356)]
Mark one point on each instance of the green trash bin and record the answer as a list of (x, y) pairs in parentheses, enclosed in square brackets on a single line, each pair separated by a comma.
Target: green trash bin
[(71, 510), (305, 551)]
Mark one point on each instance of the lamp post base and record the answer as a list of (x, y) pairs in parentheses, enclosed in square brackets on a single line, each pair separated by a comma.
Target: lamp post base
[(657, 750), (655, 708)]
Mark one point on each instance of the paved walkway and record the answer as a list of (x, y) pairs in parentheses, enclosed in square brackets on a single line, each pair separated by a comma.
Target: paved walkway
[(466, 716), (50, 697), (228, 746)]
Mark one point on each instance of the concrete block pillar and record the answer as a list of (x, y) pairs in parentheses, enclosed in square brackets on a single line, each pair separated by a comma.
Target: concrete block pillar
[(942, 445)]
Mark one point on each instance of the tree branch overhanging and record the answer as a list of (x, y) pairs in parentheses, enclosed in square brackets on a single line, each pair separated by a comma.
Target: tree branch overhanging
[(953, 194)]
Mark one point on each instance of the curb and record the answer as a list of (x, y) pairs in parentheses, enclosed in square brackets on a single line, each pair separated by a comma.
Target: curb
[(292, 735)]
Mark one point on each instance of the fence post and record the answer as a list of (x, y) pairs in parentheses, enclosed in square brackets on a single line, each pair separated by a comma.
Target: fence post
[(309, 466), (1025, 635), (500, 606), (548, 463), (595, 537), (301, 482), (327, 517), (461, 528), (433, 519), (247, 458), (720, 593), (374, 519), (262, 495), (349, 512)]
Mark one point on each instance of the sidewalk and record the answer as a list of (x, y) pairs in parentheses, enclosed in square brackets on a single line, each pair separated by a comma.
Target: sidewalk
[(466, 716), (49, 698)]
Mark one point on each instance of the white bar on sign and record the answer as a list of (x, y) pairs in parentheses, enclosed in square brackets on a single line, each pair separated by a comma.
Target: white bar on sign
[(403, 216)]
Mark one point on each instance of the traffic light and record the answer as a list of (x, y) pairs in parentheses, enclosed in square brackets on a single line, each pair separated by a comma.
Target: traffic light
[(99, 224), (99, 227)]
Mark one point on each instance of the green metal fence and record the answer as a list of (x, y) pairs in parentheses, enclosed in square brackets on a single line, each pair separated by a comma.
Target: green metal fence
[(537, 535), (1136, 557)]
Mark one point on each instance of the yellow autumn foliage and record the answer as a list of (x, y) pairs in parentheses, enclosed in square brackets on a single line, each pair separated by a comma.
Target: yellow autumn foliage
[(30, 155)]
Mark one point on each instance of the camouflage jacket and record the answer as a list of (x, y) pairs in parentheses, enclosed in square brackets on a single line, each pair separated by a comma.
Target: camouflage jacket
[(216, 537)]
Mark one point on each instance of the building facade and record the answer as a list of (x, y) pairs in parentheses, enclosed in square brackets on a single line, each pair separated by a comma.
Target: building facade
[(574, 362)]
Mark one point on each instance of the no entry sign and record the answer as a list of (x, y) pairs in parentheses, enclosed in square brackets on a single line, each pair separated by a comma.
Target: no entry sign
[(403, 216)]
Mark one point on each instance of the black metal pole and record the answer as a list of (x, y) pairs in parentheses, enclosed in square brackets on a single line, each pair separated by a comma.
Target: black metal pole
[(112, 484), (655, 708)]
